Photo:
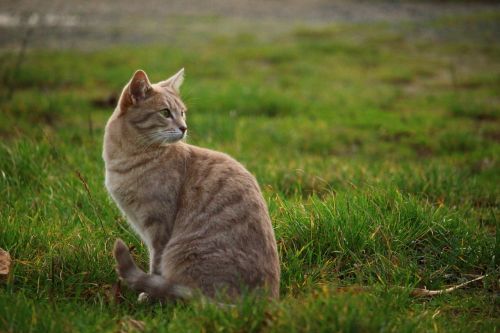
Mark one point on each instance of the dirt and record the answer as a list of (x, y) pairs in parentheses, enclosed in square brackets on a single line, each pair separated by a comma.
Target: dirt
[(93, 23)]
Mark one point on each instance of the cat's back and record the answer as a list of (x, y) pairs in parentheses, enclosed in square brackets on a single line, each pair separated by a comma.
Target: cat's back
[(223, 224), (210, 164), (220, 181)]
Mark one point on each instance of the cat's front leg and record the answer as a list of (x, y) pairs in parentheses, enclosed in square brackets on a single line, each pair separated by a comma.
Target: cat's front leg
[(154, 262)]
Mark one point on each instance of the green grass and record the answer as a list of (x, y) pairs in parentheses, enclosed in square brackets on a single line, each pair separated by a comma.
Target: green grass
[(376, 148)]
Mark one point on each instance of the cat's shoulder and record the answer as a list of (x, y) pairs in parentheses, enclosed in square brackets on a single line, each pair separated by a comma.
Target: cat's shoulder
[(209, 156)]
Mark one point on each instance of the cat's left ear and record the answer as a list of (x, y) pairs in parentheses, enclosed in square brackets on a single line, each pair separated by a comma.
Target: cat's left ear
[(175, 81)]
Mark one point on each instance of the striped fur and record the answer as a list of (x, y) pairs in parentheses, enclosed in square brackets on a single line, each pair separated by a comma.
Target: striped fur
[(200, 213)]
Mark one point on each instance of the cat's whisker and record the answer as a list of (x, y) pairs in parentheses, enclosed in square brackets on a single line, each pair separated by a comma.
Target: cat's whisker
[(146, 140), (147, 145)]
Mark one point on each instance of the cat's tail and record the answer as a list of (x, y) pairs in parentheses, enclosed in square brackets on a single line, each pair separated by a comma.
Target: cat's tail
[(156, 286)]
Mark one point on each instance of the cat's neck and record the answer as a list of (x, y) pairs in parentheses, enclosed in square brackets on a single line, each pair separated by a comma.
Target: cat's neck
[(119, 151)]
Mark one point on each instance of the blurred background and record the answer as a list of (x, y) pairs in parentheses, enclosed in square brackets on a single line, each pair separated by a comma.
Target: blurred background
[(94, 24)]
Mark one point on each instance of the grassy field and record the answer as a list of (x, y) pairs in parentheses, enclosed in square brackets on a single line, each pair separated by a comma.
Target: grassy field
[(376, 146)]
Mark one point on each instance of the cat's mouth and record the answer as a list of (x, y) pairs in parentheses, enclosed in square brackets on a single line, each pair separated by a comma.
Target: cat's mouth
[(172, 137)]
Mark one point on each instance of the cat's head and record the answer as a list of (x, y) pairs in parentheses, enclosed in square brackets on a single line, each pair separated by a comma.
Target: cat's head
[(155, 113)]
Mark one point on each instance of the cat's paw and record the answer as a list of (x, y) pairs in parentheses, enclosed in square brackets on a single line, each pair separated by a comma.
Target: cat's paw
[(143, 298)]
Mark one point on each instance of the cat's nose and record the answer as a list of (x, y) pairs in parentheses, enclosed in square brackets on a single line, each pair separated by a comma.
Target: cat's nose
[(183, 129)]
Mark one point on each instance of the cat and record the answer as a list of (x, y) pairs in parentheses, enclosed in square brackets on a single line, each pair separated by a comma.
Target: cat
[(200, 213)]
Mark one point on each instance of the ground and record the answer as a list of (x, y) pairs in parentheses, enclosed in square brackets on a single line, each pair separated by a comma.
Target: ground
[(372, 128)]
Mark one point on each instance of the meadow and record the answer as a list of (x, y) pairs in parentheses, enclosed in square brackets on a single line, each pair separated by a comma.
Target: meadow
[(376, 146)]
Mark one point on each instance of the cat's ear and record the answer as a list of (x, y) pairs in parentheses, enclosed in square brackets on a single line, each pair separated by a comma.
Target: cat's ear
[(139, 86), (136, 90), (175, 81)]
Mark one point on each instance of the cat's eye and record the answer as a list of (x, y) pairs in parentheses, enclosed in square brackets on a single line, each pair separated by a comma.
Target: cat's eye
[(166, 113), (182, 113)]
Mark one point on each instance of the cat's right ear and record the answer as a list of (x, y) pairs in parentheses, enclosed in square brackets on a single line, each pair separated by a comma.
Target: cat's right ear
[(139, 86), (136, 90)]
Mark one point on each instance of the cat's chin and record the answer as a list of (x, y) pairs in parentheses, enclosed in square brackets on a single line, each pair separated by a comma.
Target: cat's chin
[(172, 138), (166, 144), (172, 141)]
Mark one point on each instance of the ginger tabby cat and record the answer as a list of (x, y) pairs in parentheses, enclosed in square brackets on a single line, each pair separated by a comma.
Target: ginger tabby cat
[(200, 213)]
